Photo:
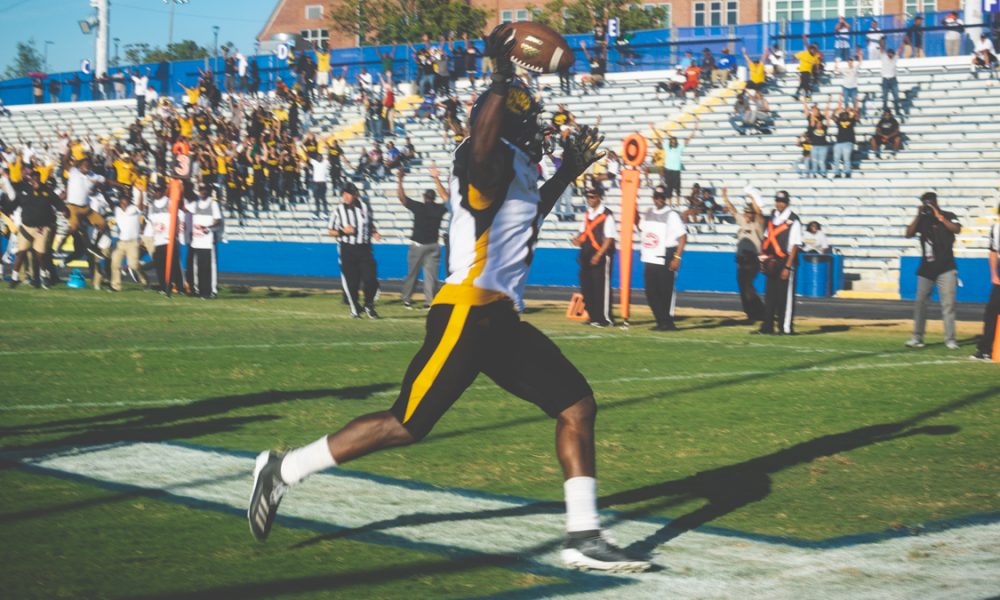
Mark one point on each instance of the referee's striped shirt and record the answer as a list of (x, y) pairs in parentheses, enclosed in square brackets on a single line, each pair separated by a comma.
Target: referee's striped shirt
[(358, 215)]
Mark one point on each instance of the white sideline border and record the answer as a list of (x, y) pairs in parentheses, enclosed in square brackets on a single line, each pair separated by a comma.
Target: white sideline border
[(956, 563)]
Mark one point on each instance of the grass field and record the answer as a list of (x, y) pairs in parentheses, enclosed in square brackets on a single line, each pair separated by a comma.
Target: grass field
[(820, 440)]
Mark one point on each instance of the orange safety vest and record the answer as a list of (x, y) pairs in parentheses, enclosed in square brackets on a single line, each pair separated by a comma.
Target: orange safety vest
[(588, 230), (772, 238)]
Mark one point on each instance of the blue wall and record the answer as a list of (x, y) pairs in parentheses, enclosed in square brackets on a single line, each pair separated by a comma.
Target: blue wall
[(702, 271), (973, 275)]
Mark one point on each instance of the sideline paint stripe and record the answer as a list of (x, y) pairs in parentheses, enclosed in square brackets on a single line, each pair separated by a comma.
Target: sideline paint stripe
[(960, 562), (484, 386)]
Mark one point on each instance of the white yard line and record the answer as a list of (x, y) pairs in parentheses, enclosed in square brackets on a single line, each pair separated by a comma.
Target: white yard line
[(954, 564), (69, 403)]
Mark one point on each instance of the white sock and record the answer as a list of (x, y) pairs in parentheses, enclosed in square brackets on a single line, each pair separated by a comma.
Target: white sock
[(581, 504), (305, 461)]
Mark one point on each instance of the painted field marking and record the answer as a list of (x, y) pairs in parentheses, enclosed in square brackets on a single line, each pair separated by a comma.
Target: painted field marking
[(69, 403), (958, 563)]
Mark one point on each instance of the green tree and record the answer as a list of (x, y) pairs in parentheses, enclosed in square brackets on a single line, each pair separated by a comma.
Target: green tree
[(579, 16), (393, 21), (142, 52), (27, 58)]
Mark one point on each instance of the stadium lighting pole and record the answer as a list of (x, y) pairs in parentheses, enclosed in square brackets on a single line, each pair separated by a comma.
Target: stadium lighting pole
[(45, 60), (101, 51), (116, 41), (170, 28)]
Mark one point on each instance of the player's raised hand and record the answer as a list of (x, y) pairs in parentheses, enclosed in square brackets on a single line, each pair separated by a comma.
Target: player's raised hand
[(499, 44), (583, 151)]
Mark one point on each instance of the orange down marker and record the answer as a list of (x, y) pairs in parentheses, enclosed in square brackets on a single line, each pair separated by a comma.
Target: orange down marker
[(634, 153)]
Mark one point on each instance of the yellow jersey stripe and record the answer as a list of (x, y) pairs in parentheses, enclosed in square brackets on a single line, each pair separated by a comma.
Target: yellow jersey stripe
[(476, 200), (431, 370)]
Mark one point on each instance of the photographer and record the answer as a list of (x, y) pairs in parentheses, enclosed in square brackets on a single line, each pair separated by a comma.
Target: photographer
[(424, 252), (937, 230)]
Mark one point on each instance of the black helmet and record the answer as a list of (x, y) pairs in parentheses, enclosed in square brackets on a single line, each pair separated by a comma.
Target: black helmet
[(522, 125)]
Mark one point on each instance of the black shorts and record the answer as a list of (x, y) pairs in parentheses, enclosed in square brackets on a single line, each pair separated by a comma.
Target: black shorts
[(463, 341)]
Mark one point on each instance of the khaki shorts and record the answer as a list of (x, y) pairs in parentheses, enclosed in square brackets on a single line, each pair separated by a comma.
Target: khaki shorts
[(33, 238), (76, 213)]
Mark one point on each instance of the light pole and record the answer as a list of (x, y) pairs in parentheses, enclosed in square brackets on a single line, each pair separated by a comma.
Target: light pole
[(116, 41), (215, 33), (170, 30), (45, 61)]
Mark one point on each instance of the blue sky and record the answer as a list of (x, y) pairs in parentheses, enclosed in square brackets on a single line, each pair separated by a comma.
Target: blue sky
[(132, 21)]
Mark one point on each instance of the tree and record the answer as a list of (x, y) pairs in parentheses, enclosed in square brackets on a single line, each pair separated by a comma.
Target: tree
[(140, 53), (579, 16), (394, 21), (27, 58)]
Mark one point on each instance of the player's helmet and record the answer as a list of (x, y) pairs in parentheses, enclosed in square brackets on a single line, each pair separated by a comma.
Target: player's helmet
[(522, 120)]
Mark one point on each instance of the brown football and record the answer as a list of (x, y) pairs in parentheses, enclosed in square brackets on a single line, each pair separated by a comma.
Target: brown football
[(539, 48)]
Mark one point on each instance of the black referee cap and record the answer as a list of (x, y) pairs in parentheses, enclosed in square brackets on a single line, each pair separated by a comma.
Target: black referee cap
[(783, 196), (350, 188)]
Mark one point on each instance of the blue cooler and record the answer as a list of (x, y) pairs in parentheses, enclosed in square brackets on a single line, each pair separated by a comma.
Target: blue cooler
[(815, 275)]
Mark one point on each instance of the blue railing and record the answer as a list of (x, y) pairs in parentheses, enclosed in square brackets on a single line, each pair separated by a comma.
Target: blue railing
[(649, 49)]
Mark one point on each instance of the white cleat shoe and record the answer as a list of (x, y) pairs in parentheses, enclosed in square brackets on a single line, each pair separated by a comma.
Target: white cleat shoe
[(591, 550), (268, 489)]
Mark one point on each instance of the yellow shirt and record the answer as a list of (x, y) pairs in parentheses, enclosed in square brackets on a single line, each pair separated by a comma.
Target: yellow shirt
[(806, 61), (280, 115), (193, 94), (124, 170), (15, 171), (757, 72), (140, 182), (220, 165), (658, 156), (322, 62), (77, 151), (187, 125), (44, 171)]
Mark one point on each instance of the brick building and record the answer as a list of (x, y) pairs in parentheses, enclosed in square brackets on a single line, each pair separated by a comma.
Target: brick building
[(309, 19)]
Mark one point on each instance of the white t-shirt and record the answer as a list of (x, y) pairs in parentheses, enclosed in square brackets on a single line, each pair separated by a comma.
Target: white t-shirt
[(319, 169), (128, 223), (953, 34), (850, 76), (889, 66), (78, 186), (141, 83), (995, 238), (159, 218), (660, 230), (241, 64), (365, 81), (99, 204), (986, 44), (339, 86), (610, 228), (202, 217)]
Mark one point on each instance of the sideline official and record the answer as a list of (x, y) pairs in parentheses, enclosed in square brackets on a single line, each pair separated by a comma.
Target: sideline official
[(985, 349), (664, 236), (424, 252), (779, 255), (596, 241), (353, 226)]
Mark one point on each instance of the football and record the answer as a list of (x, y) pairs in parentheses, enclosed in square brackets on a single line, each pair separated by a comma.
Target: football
[(539, 48)]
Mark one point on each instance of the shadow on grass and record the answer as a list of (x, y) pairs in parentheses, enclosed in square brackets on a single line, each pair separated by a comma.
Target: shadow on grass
[(163, 423)]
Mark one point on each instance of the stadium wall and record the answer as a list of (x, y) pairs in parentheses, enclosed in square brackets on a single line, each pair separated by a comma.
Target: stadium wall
[(973, 279), (702, 271)]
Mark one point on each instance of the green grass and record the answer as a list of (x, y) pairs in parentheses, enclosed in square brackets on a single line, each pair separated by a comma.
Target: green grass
[(811, 437)]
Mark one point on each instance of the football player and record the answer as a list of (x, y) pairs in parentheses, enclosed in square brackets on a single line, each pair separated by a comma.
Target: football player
[(473, 325)]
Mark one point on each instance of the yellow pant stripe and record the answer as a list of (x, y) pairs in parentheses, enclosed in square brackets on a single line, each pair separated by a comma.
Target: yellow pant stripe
[(433, 367)]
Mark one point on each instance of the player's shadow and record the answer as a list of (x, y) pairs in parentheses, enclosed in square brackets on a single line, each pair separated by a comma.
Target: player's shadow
[(202, 417), (724, 489)]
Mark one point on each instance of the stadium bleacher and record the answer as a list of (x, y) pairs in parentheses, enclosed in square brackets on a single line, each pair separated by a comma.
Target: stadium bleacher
[(952, 146)]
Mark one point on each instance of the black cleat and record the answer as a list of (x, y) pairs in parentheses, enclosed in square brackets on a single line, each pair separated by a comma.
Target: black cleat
[(370, 311), (594, 551), (268, 489), (983, 356)]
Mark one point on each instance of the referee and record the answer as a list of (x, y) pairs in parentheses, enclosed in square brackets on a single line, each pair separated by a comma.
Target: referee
[(353, 226), (664, 236)]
